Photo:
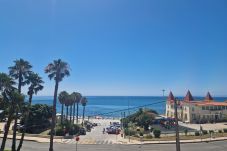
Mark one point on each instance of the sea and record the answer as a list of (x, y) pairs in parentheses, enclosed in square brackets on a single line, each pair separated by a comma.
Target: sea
[(116, 106)]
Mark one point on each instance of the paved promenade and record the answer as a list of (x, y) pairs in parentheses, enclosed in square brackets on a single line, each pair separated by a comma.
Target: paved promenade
[(212, 146)]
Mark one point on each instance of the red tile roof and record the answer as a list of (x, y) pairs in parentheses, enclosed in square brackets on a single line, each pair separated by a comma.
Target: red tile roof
[(211, 104)]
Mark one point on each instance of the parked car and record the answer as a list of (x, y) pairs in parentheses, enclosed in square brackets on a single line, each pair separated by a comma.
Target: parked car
[(82, 131)]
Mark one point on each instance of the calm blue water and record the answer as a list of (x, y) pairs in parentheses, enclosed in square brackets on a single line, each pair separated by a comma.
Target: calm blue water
[(106, 104)]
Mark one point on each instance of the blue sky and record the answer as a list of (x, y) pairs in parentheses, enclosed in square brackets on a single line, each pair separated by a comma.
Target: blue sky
[(120, 47)]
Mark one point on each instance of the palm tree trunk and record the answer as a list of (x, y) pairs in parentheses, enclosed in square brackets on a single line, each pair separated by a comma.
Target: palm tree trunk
[(15, 120), (67, 112), (14, 132), (25, 124), (54, 115), (74, 112), (62, 110), (7, 126), (77, 112), (83, 115), (70, 114)]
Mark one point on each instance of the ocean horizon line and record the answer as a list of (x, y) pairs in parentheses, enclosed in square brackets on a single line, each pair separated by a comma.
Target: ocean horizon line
[(177, 96)]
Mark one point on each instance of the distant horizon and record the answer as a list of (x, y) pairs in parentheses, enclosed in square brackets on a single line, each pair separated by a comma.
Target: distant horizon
[(195, 96)]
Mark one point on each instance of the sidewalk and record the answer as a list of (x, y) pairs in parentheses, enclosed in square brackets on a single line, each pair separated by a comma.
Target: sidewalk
[(122, 140), (126, 141)]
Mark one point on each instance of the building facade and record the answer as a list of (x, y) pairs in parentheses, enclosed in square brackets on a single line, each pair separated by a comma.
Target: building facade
[(197, 111)]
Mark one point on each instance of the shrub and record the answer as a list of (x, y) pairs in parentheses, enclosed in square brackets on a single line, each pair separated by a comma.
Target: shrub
[(131, 132), (197, 133), (157, 133), (141, 133), (211, 131), (219, 131), (204, 132), (74, 129), (225, 130), (186, 132), (59, 131), (149, 136)]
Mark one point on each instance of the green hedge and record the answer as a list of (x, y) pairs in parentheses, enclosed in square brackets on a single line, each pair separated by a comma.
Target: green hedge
[(157, 133), (225, 130), (197, 133), (205, 132)]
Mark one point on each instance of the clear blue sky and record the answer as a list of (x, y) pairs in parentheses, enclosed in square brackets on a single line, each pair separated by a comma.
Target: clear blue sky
[(120, 47)]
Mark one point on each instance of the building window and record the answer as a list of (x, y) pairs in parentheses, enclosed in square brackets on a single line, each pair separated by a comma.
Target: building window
[(223, 107), (193, 109), (203, 108), (207, 107), (219, 107), (215, 107), (211, 107)]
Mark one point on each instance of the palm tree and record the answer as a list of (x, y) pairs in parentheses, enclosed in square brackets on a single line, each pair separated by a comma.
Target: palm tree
[(71, 102), (84, 103), (67, 103), (62, 99), (20, 72), (57, 71), (74, 96), (35, 86), (6, 89), (77, 101)]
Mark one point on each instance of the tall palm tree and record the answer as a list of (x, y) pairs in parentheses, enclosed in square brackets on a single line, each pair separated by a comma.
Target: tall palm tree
[(71, 101), (77, 101), (83, 103), (35, 86), (57, 71), (20, 72), (67, 103), (74, 104), (62, 99), (6, 89)]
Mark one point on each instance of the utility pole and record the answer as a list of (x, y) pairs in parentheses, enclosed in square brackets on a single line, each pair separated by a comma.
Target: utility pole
[(177, 128)]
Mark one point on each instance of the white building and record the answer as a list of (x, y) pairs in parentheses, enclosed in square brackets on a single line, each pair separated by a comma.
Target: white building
[(197, 111)]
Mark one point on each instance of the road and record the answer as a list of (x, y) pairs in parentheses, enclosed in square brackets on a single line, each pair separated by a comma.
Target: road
[(96, 135), (212, 146)]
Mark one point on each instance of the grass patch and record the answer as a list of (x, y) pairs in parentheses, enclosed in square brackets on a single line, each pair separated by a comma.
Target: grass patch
[(46, 132)]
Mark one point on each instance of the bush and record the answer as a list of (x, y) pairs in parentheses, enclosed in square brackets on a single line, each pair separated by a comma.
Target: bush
[(131, 132), (211, 131), (141, 133), (157, 133), (38, 120), (197, 133), (59, 131), (204, 132), (186, 132), (219, 131), (149, 136), (74, 129), (225, 130)]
